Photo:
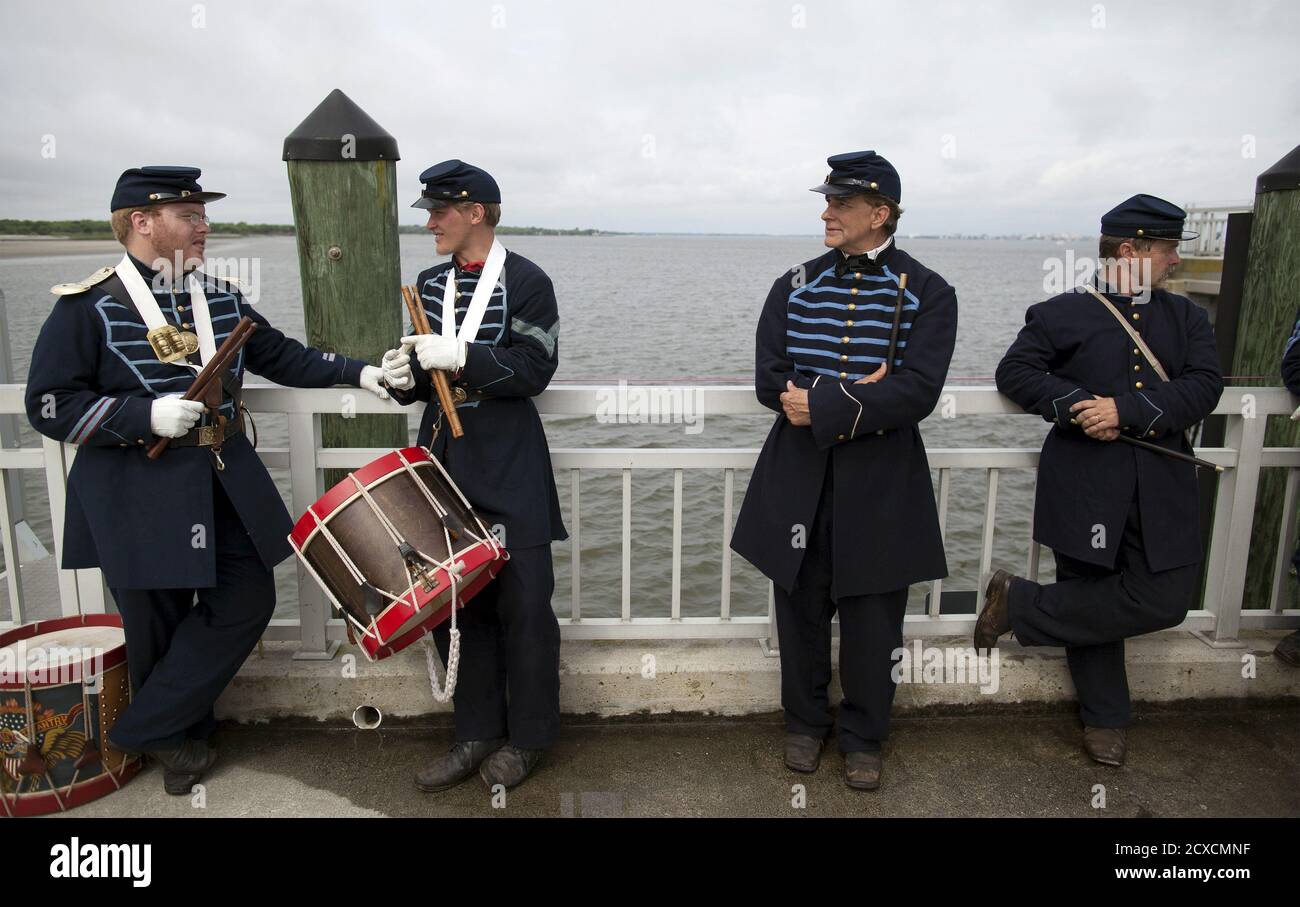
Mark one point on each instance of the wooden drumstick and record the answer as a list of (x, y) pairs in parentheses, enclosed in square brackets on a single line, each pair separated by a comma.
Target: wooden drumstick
[(209, 377), (420, 324)]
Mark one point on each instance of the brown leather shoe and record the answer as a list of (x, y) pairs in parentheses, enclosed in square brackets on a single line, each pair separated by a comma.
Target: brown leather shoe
[(802, 752), (862, 770), (1104, 744), (995, 619)]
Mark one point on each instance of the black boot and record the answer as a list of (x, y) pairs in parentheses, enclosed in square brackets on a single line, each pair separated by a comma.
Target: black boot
[(456, 765), (183, 766), (509, 766)]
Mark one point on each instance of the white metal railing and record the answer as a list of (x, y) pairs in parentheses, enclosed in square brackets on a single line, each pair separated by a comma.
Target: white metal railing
[(1211, 223), (1220, 616)]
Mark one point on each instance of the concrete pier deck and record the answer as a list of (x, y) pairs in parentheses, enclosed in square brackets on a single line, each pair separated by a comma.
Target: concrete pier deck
[(1197, 759)]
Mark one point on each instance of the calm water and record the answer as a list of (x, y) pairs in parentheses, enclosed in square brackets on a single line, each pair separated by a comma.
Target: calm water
[(672, 309)]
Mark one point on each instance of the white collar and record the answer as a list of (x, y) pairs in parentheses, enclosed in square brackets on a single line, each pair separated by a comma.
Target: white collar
[(873, 253)]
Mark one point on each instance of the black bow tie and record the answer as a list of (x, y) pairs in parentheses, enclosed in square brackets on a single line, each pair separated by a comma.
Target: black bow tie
[(857, 263)]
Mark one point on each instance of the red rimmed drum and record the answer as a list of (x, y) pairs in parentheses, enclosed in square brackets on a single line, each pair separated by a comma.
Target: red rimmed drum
[(395, 545), (63, 682)]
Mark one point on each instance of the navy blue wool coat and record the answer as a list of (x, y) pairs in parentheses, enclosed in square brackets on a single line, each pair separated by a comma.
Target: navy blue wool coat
[(1072, 348), (503, 463), (823, 332), (148, 524)]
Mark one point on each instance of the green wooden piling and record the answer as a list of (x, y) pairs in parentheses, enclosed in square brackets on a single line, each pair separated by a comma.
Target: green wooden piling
[(343, 184), (1268, 313)]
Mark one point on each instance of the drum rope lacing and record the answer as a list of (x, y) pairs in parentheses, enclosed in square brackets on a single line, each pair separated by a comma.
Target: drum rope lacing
[(452, 669), (451, 569)]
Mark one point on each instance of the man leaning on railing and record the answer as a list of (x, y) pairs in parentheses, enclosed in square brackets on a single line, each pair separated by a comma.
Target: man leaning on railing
[(1117, 360)]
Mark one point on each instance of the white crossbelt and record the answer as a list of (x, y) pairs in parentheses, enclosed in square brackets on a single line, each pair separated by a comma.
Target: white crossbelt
[(147, 306), (487, 281)]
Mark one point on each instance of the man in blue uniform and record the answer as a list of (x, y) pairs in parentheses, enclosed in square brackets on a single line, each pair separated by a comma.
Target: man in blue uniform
[(496, 331), (205, 518), (1288, 649), (1120, 355), (840, 511)]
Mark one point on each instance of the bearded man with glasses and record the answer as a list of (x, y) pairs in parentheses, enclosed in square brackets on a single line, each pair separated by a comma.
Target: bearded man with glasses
[(204, 520)]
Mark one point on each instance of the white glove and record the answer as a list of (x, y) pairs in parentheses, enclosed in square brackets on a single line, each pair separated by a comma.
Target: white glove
[(397, 368), (172, 417), (437, 351), (372, 380)]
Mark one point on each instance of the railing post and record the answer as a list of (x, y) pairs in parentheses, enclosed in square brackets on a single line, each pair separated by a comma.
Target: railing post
[(56, 486), (728, 492), (13, 573), (575, 546), (8, 421), (313, 608), (1247, 435)]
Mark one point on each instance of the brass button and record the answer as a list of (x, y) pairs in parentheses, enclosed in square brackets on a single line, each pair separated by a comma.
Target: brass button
[(852, 306), (844, 340), (180, 308), (857, 275), (1138, 367), (844, 357), (139, 440), (1151, 434), (844, 374), (853, 291), (848, 324), (840, 438), (1138, 385), (186, 325), (1074, 421), (458, 294), (123, 444), (1136, 316), (1137, 352)]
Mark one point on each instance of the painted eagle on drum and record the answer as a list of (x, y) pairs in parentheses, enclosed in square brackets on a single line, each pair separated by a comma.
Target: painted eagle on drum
[(56, 740)]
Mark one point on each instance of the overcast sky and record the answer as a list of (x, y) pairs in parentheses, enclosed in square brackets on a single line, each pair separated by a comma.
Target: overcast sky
[(661, 116)]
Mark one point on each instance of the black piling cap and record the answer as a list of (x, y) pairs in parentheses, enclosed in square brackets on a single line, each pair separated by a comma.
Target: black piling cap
[(321, 137), (1283, 175)]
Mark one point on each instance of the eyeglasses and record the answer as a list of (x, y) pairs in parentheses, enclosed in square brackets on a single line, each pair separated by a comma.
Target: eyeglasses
[(195, 219)]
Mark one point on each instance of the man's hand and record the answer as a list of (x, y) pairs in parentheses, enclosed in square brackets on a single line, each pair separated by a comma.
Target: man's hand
[(372, 379), (873, 377), (1098, 418), (172, 417), (795, 403), (397, 368), (437, 351)]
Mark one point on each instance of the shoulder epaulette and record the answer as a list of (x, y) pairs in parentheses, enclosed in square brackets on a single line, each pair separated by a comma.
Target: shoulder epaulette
[(81, 286)]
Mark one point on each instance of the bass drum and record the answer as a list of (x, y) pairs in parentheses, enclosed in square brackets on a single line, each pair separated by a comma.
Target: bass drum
[(63, 683)]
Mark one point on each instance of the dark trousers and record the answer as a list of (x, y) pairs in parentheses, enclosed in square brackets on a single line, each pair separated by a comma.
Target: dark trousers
[(1091, 610), (871, 629), (180, 654), (509, 682)]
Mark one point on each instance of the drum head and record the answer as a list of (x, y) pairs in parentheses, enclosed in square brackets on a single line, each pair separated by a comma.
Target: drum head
[(59, 651)]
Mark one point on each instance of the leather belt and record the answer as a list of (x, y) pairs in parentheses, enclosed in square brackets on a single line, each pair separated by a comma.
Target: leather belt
[(210, 435)]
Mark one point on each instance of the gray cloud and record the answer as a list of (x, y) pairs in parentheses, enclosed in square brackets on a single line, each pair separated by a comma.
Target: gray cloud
[(678, 116)]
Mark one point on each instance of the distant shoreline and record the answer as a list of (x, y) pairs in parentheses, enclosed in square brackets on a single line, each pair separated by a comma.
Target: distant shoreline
[(42, 245)]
